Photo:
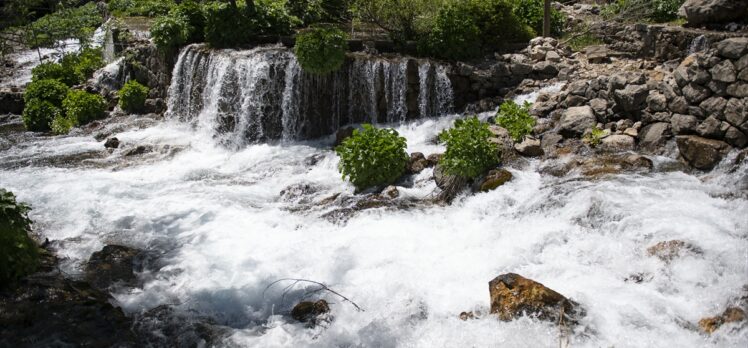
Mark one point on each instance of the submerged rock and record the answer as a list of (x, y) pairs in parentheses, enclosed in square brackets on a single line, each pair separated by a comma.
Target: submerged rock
[(113, 264), (513, 296), (672, 249), (492, 180), (730, 315), (308, 311), (111, 143)]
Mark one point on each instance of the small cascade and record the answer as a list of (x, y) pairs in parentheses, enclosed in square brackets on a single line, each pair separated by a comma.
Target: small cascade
[(699, 43), (262, 94)]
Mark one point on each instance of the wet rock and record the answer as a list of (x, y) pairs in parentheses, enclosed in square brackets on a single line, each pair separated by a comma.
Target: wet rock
[(695, 94), (632, 98), (724, 72), (734, 48), (669, 250), (599, 166), (111, 143), (529, 147), (617, 143), (679, 105), (390, 192), (654, 136), (513, 296), (308, 311), (684, 124), (657, 102), (465, 316), (738, 90), (736, 138), (165, 326), (417, 163), (492, 180), (700, 152), (113, 264), (434, 159), (342, 134), (714, 106), (576, 120), (730, 315), (11, 101), (710, 128), (138, 150)]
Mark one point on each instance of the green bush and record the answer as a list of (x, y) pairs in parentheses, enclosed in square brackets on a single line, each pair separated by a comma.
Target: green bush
[(73, 68), (83, 107), (469, 153), (72, 22), (516, 119), (641, 10), (465, 29), (169, 32), (531, 13), (52, 91), (132, 96), (86, 62), (62, 124), (53, 71), (19, 254), (402, 20), (147, 8), (321, 50), (594, 137), (270, 17), (372, 157), (38, 115), (225, 26), (193, 12), (319, 11)]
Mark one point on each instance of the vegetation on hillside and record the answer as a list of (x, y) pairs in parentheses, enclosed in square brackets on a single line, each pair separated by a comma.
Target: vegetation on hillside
[(19, 255), (470, 153), (372, 157)]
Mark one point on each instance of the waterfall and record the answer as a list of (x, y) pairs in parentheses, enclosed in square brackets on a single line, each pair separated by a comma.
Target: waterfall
[(262, 94), (698, 44)]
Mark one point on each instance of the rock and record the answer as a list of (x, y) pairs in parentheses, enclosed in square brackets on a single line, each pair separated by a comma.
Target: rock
[(734, 48), (578, 88), (342, 134), (163, 326), (617, 143), (714, 106), (724, 72), (417, 163), (111, 143), (597, 53), (465, 316), (529, 147), (743, 74), (672, 249), (138, 150), (632, 98), (552, 56), (710, 128), (738, 90), (520, 69), (717, 88), (653, 136), (713, 11), (597, 166), (695, 94), (632, 132), (308, 311), (700, 152), (11, 102), (600, 107), (494, 179), (742, 63), (576, 120), (550, 140), (390, 192), (154, 106), (113, 264), (735, 137), (730, 315), (545, 69), (679, 105), (684, 124), (736, 112), (513, 296), (434, 159), (657, 102)]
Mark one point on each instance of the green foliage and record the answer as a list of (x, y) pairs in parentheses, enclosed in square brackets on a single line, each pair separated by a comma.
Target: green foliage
[(465, 29), (531, 13), (38, 115), (225, 26), (321, 50), (147, 8), (270, 17), (594, 137), (194, 14), (403, 20), (469, 153), (78, 23), (319, 11), (82, 107), (62, 124), (52, 91), (372, 157), (643, 10), (581, 39), (19, 255), (73, 68), (169, 32), (132, 96), (516, 119)]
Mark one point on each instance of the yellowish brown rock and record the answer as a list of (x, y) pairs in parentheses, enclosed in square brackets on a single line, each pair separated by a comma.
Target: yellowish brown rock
[(513, 296), (730, 315), (669, 250)]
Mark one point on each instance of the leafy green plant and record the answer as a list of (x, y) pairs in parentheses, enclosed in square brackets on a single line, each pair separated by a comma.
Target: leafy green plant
[(270, 17), (169, 32), (83, 107), (38, 115), (19, 255), (73, 22), (52, 91), (319, 11), (321, 50), (86, 62), (225, 26), (470, 152), (147, 8), (53, 71), (372, 157), (193, 12), (643, 10), (132, 96), (516, 119), (594, 137), (531, 13), (73, 68), (62, 124)]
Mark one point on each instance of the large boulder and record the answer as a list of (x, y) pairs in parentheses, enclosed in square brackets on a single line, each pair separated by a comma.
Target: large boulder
[(730, 315), (713, 11), (736, 47), (308, 311), (575, 121), (654, 136), (113, 264), (633, 98), (529, 147), (11, 101), (513, 296), (492, 180), (617, 143), (700, 152), (684, 124)]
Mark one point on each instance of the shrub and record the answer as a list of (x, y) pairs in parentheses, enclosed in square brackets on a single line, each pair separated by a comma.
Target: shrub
[(402, 20), (516, 119), (132, 96), (271, 18), (469, 153), (83, 107), (73, 22), (52, 91), (594, 137), (465, 29), (147, 8), (49, 71), (62, 124), (86, 62), (195, 17), (639, 10), (321, 50), (73, 68), (224, 26), (170, 31), (372, 157), (319, 11), (19, 255), (38, 115), (531, 13)]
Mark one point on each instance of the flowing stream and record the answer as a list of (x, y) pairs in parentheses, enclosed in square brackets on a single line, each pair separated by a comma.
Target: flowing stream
[(220, 231)]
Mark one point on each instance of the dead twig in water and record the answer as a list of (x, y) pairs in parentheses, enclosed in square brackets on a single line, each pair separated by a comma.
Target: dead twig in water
[(322, 286)]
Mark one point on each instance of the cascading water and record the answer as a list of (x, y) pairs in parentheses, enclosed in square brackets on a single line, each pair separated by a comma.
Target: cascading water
[(262, 94)]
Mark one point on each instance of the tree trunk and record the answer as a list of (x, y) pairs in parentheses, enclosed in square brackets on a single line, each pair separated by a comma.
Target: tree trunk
[(547, 18)]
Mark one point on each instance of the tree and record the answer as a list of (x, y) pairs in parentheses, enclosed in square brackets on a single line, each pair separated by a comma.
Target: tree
[(547, 18)]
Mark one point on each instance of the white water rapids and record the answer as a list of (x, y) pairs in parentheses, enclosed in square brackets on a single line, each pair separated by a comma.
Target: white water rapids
[(223, 233)]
